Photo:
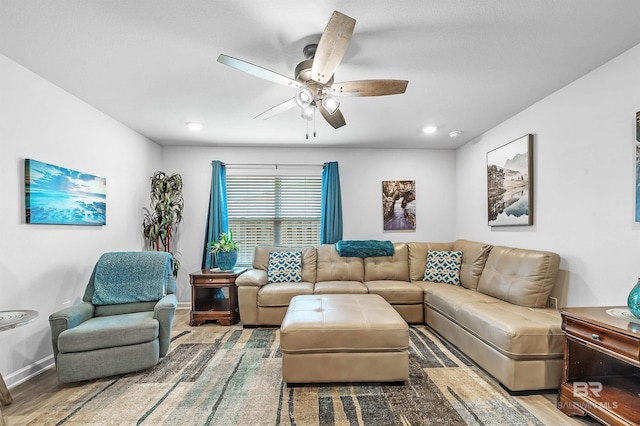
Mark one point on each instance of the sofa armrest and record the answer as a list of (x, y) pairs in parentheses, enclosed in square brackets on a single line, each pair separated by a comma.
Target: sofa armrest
[(67, 318), (164, 311), (253, 277)]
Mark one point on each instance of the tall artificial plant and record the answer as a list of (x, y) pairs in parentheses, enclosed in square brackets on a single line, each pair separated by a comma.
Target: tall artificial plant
[(165, 213)]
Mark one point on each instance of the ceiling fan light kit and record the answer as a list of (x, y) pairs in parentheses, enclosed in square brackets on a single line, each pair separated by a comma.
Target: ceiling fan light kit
[(330, 103), (314, 76), (304, 98), (307, 113)]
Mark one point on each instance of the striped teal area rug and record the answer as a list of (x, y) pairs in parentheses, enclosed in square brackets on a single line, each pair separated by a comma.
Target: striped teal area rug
[(217, 375)]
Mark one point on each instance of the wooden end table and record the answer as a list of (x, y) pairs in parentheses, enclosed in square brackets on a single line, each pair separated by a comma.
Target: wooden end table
[(601, 373), (214, 296)]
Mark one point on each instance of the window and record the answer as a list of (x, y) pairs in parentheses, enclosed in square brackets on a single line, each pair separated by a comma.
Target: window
[(273, 210)]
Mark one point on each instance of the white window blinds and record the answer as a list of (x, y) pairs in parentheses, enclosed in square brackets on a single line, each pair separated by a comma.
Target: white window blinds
[(273, 210)]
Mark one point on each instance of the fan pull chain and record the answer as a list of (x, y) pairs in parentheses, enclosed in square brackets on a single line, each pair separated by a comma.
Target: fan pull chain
[(314, 122), (307, 128)]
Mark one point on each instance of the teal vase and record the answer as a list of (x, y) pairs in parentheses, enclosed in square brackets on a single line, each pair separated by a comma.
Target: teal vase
[(226, 260), (633, 302)]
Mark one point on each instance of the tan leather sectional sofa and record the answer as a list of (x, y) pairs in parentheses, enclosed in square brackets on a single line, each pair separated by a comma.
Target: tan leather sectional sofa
[(497, 316)]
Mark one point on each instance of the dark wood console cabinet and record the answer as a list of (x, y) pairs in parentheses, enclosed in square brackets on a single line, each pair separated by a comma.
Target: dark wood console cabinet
[(601, 373)]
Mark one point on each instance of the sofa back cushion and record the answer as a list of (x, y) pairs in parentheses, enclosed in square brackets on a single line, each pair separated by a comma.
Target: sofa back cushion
[(474, 257), (333, 267), (394, 267), (261, 260), (418, 257), (519, 276)]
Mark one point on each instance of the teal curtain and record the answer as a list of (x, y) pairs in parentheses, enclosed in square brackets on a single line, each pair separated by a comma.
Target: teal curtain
[(217, 218), (331, 205)]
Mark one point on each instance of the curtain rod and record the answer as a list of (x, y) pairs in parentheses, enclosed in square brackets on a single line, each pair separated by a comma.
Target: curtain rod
[(269, 166)]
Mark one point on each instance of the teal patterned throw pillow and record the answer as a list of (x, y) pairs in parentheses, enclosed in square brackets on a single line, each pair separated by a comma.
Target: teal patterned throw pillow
[(443, 267), (284, 267)]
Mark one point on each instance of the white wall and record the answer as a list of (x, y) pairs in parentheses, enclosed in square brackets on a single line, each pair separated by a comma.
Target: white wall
[(584, 183), (46, 267), (361, 174)]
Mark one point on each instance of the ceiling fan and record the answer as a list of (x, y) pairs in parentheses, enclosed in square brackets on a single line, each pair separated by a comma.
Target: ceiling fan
[(314, 76)]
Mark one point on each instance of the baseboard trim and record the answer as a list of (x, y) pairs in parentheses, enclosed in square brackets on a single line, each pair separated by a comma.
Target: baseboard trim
[(28, 372)]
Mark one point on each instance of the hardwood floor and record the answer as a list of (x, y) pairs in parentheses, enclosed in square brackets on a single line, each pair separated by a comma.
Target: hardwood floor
[(32, 397)]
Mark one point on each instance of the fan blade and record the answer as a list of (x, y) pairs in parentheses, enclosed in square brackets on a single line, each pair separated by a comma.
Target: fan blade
[(369, 88), (284, 106), (257, 71), (332, 47), (336, 119)]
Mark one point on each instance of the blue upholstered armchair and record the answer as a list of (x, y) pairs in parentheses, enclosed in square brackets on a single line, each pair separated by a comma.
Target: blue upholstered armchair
[(124, 321)]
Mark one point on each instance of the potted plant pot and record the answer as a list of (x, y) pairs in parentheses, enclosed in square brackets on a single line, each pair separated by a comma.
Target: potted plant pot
[(225, 251), (226, 260)]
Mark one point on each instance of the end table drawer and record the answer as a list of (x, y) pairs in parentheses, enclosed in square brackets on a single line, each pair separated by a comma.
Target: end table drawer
[(210, 280), (607, 339)]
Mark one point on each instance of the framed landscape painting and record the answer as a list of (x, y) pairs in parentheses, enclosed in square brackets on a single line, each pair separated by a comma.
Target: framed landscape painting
[(510, 183), (60, 196), (399, 205)]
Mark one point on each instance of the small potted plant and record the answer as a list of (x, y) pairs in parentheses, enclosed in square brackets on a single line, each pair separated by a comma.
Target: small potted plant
[(225, 251)]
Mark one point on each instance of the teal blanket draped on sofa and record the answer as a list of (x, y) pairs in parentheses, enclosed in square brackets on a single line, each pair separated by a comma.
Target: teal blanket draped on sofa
[(364, 248)]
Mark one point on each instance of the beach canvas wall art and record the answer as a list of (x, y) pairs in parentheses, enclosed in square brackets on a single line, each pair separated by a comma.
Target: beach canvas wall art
[(399, 205), (60, 196), (510, 183)]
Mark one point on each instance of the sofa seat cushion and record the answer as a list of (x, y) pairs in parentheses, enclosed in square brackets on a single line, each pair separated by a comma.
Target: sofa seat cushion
[(515, 331), (448, 299), (396, 292), (280, 294), (109, 331), (340, 287), (342, 323)]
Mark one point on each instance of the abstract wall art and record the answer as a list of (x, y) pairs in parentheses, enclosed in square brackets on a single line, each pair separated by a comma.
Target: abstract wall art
[(510, 183), (56, 195), (399, 205)]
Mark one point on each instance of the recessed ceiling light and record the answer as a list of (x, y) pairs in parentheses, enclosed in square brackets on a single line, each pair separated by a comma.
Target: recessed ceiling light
[(454, 134), (193, 126), (429, 129)]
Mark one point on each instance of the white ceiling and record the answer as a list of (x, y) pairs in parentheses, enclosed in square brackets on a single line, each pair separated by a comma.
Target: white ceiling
[(151, 64)]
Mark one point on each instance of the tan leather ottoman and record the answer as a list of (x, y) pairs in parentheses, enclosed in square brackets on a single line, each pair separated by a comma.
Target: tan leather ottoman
[(343, 338)]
